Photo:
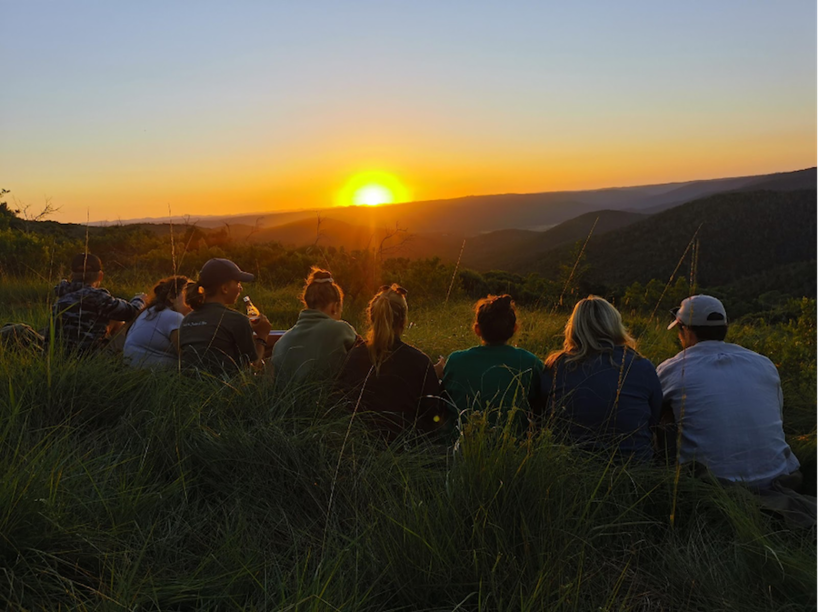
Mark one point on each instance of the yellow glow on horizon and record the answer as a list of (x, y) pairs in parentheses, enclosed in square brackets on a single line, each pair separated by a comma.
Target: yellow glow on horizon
[(372, 195), (372, 189)]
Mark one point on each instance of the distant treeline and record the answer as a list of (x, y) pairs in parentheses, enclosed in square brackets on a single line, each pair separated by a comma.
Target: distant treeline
[(43, 249)]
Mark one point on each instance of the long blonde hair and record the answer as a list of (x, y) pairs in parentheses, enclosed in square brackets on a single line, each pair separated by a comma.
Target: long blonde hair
[(594, 327), (387, 313)]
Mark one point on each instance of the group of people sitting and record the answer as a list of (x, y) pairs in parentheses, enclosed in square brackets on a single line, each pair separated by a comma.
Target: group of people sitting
[(722, 403)]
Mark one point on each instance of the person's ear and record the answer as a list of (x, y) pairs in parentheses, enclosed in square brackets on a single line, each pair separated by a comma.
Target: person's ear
[(476, 328), (99, 276)]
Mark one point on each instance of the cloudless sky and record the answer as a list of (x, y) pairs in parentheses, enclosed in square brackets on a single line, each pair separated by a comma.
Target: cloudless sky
[(118, 110)]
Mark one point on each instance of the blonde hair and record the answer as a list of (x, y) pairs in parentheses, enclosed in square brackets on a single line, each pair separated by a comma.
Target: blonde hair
[(387, 313), (594, 327), (321, 290)]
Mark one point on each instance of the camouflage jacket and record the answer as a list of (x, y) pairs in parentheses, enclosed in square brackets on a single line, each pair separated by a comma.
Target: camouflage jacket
[(82, 313)]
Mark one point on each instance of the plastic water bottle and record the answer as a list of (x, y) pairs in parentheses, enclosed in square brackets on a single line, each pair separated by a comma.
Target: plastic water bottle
[(252, 312)]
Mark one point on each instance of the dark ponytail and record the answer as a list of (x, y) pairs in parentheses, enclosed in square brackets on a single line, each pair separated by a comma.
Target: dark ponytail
[(164, 292), (195, 295), (497, 318)]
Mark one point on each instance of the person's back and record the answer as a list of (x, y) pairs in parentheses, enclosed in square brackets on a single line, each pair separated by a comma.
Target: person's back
[(216, 339), (394, 384), (601, 393), (608, 400), (83, 310), (402, 395), (726, 400), (494, 376), (316, 346)]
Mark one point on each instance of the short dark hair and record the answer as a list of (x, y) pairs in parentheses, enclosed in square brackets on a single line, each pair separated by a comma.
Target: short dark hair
[(496, 317), (709, 332)]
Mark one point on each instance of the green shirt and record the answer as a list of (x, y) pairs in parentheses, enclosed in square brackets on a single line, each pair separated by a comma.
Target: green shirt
[(493, 376), (314, 347)]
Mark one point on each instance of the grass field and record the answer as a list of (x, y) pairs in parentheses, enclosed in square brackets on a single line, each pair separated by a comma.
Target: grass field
[(124, 490)]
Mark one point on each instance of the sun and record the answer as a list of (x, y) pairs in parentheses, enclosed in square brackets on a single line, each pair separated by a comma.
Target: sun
[(372, 189), (372, 195)]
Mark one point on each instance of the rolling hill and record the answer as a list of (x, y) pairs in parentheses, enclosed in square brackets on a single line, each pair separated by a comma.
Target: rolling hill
[(478, 214), (741, 234), (510, 249)]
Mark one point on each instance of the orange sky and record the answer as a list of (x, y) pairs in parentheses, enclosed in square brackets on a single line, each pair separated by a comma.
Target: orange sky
[(508, 101)]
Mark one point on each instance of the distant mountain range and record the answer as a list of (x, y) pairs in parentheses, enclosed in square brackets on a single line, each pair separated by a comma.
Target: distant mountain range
[(749, 225), (474, 215)]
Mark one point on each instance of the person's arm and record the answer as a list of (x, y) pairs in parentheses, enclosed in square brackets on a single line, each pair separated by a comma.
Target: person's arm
[(665, 431), (656, 397), (536, 399), (249, 350), (350, 337), (261, 328), (431, 416), (117, 309)]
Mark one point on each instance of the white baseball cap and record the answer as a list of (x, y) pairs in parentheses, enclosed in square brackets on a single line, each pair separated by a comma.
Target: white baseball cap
[(699, 311)]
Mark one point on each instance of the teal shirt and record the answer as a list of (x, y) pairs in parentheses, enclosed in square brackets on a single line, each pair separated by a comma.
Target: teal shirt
[(314, 347), (493, 376)]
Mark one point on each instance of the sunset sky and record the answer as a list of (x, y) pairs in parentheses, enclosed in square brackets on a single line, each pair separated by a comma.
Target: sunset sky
[(117, 110)]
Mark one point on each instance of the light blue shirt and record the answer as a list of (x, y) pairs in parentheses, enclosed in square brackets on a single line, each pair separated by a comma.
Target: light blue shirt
[(148, 342), (728, 404)]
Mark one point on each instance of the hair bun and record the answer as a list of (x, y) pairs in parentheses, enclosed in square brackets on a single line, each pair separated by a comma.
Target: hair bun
[(504, 301)]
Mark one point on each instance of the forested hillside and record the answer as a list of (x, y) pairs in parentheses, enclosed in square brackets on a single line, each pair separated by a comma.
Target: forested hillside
[(739, 235)]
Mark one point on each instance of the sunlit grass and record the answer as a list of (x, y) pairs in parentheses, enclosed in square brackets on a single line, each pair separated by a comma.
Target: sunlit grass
[(132, 490)]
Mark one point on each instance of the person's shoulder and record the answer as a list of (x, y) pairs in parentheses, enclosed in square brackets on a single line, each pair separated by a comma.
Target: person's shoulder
[(762, 360), (670, 364), (342, 327), (233, 316), (529, 357), (411, 352), (167, 315), (642, 365), (462, 354)]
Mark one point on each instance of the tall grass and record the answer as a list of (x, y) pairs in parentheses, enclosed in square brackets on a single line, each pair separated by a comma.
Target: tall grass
[(134, 490)]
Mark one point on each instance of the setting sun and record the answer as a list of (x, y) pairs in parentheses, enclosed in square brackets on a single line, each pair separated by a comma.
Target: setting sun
[(372, 195), (372, 189)]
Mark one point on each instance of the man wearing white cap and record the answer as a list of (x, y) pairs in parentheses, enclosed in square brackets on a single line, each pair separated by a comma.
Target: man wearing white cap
[(726, 400)]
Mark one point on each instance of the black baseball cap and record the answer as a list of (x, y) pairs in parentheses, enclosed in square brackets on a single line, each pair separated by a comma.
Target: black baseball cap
[(217, 271), (85, 262)]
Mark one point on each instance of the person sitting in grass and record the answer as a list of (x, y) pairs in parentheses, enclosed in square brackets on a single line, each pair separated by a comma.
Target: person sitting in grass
[(494, 376), (153, 339), (726, 400), (84, 311), (394, 382), (316, 346), (214, 338), (599, 388)]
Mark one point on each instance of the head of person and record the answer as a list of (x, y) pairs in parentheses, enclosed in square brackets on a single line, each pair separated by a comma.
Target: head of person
[(219, 281), (322, 293), (495, 319), (387, 313), (699, 318), (169, 293), (86, 269), (594, 327)]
